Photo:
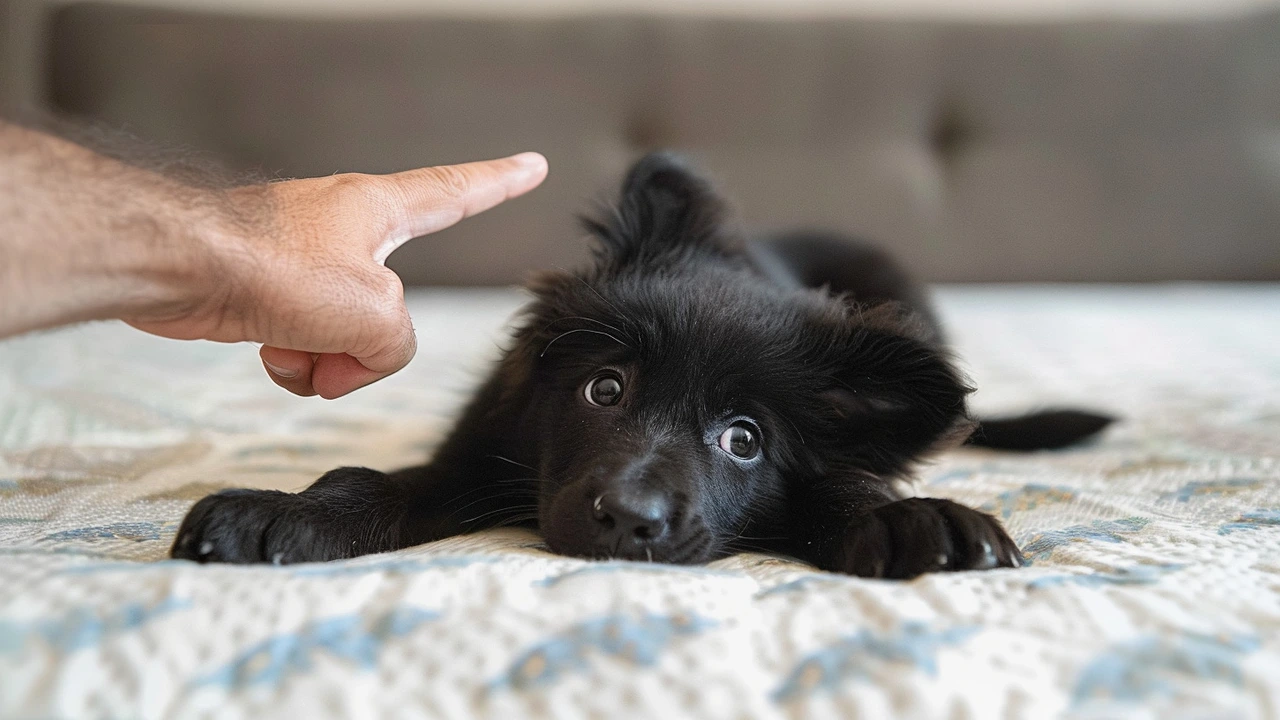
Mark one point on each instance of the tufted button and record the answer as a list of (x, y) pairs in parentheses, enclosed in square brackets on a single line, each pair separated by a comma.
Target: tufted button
[(950, 134)]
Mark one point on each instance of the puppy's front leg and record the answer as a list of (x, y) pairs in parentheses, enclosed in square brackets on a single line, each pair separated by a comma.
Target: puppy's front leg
[(348, 512), (861, 532), (353, 511), (471, 484)]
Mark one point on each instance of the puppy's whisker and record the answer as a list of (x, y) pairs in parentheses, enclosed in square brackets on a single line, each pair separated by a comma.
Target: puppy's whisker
[(507, 492), (793, 425), (521, 508), (603, 299), (738, 547), (507, 522), (614, 328), (511, 493), (461, 496), (513, 462), (581, 330)]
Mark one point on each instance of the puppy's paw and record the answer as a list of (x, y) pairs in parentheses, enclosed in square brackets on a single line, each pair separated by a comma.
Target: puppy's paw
[(253, 526), (910, 537)]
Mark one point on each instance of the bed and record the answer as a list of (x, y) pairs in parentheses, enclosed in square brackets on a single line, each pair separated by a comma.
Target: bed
[(1152, 587)]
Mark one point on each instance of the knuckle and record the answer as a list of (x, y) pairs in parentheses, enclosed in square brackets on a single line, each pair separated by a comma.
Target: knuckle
[(354, 189), (452, 181), (348, 182), (372, 197)]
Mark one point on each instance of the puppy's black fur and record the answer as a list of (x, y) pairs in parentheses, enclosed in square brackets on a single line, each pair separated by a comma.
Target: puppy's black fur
[(688, 395)]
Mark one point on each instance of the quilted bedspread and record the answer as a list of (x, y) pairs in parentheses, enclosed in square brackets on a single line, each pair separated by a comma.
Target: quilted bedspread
[(1152, 588)]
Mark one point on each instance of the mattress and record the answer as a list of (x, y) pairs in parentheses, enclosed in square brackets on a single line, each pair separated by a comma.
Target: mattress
[(1152, 588)]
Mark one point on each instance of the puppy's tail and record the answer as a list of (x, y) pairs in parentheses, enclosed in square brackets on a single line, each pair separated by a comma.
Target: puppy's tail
[(1046, 430)]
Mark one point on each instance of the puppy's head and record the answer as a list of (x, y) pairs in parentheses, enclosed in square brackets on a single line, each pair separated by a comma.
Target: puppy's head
[(673, 397)]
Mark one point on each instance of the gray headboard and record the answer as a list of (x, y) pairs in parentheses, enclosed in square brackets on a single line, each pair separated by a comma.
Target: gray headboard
[(1125, 148)]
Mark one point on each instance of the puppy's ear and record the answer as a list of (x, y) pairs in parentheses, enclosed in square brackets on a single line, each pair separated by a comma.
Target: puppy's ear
[(665, 208), (892, 396)]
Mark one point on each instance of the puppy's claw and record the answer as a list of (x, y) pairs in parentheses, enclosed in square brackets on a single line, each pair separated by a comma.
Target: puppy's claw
[(986, 557), (910, 537)]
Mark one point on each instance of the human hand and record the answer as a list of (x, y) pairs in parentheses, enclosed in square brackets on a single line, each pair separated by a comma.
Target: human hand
[(298, 266)]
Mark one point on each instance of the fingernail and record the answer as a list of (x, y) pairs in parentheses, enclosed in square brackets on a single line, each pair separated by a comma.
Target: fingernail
[(285, 373), (530, 161)]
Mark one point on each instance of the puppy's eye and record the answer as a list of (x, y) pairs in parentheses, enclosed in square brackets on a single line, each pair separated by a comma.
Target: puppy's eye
[(604, 390), (741, 440)]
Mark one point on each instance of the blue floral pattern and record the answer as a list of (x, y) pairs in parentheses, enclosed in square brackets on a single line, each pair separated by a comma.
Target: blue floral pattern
[(82, 627), (1026, 498), (639, 641), (1152, 668), (1252, 521), (913, 645), (353, 638), (1037, 546)]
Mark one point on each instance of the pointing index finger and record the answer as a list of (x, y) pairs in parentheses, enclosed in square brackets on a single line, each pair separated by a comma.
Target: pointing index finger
[(431, 199)]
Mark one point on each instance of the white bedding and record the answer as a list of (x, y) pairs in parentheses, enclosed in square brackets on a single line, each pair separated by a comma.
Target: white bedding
[(1153, 588)]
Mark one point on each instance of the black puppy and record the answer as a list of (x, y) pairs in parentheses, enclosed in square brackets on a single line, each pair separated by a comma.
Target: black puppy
[(688, 395)]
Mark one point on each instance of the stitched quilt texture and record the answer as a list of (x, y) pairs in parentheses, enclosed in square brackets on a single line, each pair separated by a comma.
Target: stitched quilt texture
[(1152, 587)]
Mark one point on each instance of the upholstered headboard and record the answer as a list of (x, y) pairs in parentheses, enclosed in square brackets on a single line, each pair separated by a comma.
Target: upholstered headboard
[(1080, 146)]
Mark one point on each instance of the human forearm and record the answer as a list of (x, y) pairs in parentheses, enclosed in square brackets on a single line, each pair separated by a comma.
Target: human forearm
[(87, 237)]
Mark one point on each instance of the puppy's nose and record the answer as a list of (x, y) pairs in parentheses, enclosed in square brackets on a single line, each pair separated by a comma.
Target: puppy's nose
[(630, 519)]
